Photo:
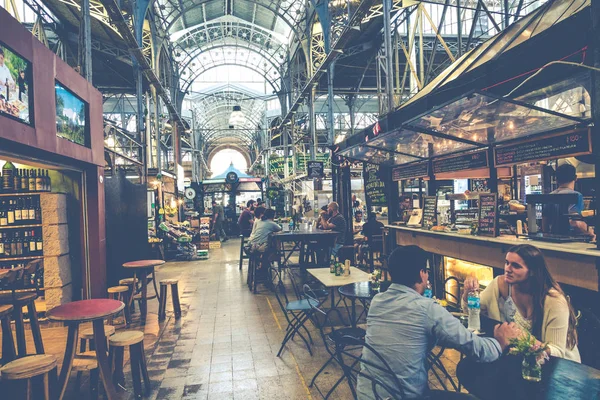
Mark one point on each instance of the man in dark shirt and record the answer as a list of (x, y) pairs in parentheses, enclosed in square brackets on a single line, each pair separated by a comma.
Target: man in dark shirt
[(337, 223), (246, 219)]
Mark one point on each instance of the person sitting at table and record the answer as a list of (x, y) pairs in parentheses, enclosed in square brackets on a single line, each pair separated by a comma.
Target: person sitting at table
[(528, 295), (403, 326), (258, 213), (246, 219), (358, 222), (336, 222), (260, 238), (370, 229)]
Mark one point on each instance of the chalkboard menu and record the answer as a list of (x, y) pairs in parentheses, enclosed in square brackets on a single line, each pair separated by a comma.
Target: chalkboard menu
[(488, 214), (315, 169), (410, 171), (375, 190), (466, 217), (571, 143), (463, 162), (429, 211)]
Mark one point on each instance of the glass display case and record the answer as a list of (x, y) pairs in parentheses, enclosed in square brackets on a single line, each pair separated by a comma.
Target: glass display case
[(456, 271)]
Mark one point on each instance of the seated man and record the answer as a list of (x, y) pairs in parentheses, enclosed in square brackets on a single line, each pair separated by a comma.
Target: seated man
[(371, 228), (403, 326)]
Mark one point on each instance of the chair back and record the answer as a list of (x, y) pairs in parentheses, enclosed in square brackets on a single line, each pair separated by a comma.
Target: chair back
[(384, 382), (320, 318), (588, 334), (455, 297), (278, 288)]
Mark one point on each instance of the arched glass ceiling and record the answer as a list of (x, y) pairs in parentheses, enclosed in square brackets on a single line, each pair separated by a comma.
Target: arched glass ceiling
[(279, 16)]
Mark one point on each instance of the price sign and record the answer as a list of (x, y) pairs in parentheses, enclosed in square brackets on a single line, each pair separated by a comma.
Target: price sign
[(429, 211), (375, 189), (410, 171), (315, 169), (488, 214), (572, 143), (463, 162)]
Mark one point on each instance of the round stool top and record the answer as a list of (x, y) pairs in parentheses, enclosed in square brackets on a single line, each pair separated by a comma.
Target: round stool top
[(143, 263), (85, 361), (127, 281), (85, 310), (88, 333), (169, 282), (5, 310), (118, 289), (28, 367), (126, 338)]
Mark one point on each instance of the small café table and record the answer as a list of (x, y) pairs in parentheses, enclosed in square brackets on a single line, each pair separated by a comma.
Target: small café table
[(300, 238), (332, 282), (74, 313), (561, 379), (143, 265), (361, 291)]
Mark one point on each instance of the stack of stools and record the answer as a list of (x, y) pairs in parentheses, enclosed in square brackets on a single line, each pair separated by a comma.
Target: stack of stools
[(121, 293), (8, 343), (86, 361), (135, 341), (34, 372), (163, 298)]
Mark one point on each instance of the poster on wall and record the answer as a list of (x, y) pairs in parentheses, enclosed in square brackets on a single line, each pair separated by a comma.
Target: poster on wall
[(71, 116), (16, 99)]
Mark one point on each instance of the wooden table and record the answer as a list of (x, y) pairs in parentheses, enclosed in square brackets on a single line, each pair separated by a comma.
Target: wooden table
[(143, 265), (300, 238), (72, 314), (332, 282)]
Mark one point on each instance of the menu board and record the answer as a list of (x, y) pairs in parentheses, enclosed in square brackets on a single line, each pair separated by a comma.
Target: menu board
[(315, 169), (463, 162), (375, 190), (429, 211), (466, 217), (410, 171), (571, 143), (488, 214)]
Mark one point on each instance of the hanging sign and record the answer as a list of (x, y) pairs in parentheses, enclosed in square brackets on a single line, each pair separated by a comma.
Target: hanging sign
[(410, 171), (231, 177), (375, 190), (315, 169), (488, 214), (463, 162), (568, 144)]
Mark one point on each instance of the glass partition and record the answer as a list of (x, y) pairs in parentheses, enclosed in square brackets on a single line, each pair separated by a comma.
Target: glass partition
[(376, 155)]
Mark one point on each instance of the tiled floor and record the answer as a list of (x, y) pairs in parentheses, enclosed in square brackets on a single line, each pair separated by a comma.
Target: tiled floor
[(225, 344)]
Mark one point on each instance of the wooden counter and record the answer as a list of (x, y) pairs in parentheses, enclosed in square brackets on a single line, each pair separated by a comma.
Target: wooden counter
[(571, 263)]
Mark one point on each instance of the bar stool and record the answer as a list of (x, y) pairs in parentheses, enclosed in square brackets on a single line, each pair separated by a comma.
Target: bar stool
[(135, 341), (87, 362), (87, 334), (243, 242), (27, 369), (8, 343), (120, 293), (163, 298), (131, 284), (14, 280)]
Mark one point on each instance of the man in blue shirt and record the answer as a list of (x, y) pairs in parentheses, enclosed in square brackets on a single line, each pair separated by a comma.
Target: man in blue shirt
[(566, 175), (403, 326)]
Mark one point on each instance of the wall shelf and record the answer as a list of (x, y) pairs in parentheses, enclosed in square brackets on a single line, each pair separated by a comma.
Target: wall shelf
[(20, 226)]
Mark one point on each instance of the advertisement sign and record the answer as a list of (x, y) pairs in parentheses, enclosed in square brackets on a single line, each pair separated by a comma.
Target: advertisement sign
[(16, 94)]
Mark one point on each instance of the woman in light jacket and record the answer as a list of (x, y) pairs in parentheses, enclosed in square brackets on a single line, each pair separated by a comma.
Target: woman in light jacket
[(528, 295)]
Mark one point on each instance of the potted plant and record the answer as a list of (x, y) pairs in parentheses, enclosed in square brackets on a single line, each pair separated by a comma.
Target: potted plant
[(534, 356)]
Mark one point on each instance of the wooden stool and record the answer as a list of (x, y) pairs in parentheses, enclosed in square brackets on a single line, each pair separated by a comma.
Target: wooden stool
[(243, 256), (131, 283), (163, 298), (8, 343), (13, 279), (135, 341), (87, 362), (29, 368), (120, 293), (88, 334)]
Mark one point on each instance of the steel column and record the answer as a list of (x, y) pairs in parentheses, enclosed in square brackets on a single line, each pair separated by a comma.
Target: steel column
[(312, 122), (331, 99), (85, 38), (387, 32)]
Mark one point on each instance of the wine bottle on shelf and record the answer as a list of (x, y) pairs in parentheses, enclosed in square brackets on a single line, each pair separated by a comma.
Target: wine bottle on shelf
[(10, 213), (18, 211), (7, 245), (32, 180), (7, 177), (24, 181), (3, 214), (26, 247), (31, 210), (18, 245), (32, 243), (1, 245), (13, 246), (38, 211), (39, 181), (24, 211), (17, 180), (48, 182), (39, 244)]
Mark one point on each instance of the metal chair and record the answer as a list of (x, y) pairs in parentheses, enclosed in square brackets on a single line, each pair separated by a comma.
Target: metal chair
[(243, 241), (296, 312), (334, 339), (375, 250)]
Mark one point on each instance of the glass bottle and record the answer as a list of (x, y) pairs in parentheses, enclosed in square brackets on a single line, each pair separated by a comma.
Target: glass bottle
[(39, 181), (24, 181), (32, 180), (17, 180), (7, 177)]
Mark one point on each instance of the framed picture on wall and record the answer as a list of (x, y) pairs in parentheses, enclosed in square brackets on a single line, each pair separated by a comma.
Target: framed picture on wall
[(72, 116), (16, 86)]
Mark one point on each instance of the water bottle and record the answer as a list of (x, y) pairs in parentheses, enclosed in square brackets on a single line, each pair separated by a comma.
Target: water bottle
[(473, 303), (428, 292), (291, 225)]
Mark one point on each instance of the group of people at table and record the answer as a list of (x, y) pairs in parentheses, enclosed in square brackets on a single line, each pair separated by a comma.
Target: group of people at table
[(403, 325)]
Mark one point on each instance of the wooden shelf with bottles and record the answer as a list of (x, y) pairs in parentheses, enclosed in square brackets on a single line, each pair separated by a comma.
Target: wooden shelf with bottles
[(21, 226), (26, 258), (20, 194)]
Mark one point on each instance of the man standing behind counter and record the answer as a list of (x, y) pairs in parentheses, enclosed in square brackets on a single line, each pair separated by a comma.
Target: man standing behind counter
[(403, 326), (566, 175), (335, 222)]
